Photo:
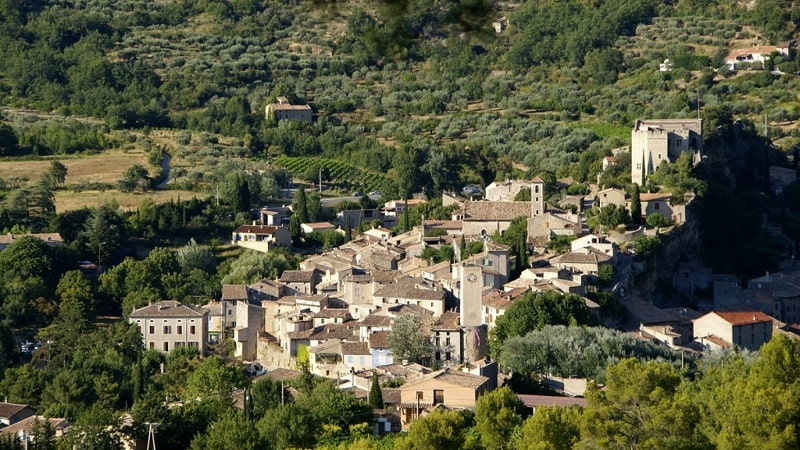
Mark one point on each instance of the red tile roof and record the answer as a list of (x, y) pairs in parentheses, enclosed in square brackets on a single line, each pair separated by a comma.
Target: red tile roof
[(743, 317)]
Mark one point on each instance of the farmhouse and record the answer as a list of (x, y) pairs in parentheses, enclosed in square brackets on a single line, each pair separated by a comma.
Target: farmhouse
[(283, 110)]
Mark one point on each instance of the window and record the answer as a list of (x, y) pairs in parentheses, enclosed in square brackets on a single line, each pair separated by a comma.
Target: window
[(447, 356), (167, 329), (152, 345), (180, 329), (192, 344), (656, 206), (166, 346), (638, 166), (420, 396), (180, 344), (152, 329), (447, 342), (438, 396), (191, 329)]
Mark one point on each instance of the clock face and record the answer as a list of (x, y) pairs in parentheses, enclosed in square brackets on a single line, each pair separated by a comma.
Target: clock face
[(472, 278)]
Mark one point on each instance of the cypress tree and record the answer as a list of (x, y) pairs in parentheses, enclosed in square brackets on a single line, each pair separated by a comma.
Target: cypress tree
[(348, 229), (636, 205), (375, 396), (301, 206)]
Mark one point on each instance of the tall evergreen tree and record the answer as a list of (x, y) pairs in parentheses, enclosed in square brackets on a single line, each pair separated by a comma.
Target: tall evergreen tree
[(636, 205), (375, 395), (301, 205)]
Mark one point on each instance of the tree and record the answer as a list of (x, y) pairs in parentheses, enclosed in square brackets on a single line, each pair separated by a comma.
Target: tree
[(375, 396), (135, 178), (641, 406), (497, 416), (230, 432), (57, 173), (8, 139), (576, 351), (655, 220), (407, 339), (75, 287), (314, 207), (551, 428), (288, 426), (534, 310), (214, 377), (301, 205), (252, 266), (105, 231), (636, 205), (266, 394), (441, 429)]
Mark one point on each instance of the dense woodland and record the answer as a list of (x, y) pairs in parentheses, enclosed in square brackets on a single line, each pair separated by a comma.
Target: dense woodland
[(410, 96)]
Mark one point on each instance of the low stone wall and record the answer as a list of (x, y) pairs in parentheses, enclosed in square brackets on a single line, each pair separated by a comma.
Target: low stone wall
[(272, 356)]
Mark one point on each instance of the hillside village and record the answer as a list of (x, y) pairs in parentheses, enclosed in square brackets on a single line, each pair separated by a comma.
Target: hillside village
[(610, 261), (334, 315)]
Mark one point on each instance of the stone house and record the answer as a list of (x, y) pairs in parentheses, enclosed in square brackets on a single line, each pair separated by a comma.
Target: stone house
[(300, 282), (284, 110), (744, 329), (170, 324), (611, 196), (410, 291), (262, 238), (450, 388)]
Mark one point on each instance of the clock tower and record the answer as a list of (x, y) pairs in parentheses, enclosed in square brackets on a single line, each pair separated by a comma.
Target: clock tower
[(471, 289)]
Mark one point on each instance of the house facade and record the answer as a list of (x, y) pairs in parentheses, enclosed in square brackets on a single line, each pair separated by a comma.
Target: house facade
[(262, 238), (169, 324), (283, 110), (450, 388), (745, 329)]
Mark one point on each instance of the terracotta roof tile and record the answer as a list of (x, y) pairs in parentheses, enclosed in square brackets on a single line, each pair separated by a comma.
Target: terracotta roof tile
[(256, 229), (379, 339), (234, 292), (297, 276), (482, 210), (168, 308), (743, 317), (355, 348)]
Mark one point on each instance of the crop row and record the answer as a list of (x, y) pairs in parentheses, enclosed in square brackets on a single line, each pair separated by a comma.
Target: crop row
[(338, 171)]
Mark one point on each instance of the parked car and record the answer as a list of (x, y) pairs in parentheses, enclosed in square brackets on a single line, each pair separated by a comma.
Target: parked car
[(358, 194), (471, 190), (375, 194)]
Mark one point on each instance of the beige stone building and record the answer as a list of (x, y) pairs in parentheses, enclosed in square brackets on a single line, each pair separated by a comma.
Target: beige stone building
[(170, 324), (283, 110), (262, 238), (656, 141), (450, 388), (745, 329)]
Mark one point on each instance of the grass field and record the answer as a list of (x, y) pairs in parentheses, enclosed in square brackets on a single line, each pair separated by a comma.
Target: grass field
[(68, 200), (106, 167)]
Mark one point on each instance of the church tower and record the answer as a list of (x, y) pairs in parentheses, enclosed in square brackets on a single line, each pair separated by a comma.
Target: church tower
[(537, 197), (470, 293)]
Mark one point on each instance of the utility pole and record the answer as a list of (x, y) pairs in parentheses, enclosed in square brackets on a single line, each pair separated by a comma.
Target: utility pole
[(320, 180), (151, 435)]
